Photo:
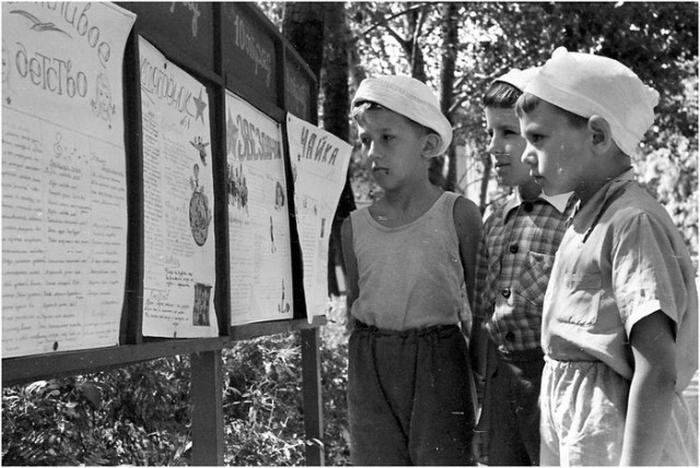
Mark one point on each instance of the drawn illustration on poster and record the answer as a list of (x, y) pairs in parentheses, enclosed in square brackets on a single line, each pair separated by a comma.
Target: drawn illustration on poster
[(319, 163), (259, 236), (64, 203), (179, 262)]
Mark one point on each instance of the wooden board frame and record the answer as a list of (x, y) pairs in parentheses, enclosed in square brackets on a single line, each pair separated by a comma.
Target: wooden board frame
[(205, 58)]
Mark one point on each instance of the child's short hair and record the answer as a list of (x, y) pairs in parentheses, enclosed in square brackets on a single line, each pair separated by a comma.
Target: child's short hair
[(529, 102), (501, 95), (361, 108), (505, 90), (409, 97)]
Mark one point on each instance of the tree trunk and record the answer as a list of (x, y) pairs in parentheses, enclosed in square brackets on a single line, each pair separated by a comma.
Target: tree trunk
[(336, 107), (315, 28), (411, 46), (303, 26), (450, 35)]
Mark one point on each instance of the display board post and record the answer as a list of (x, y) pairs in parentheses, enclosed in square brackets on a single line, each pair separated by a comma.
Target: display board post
[(313, 404), (207, 409)]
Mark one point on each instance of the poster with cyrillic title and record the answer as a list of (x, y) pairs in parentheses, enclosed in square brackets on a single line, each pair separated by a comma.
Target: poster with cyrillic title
[(319, 164), (258, 216), (64, 204), (178, 197)]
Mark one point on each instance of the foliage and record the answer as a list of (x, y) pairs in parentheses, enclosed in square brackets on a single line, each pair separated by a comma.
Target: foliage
[(140, 414), (134, 415), (659, 40)]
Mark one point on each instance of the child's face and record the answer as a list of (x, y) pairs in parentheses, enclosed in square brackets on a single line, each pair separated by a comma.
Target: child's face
[(506, 146), (557, 151), (393, 146)]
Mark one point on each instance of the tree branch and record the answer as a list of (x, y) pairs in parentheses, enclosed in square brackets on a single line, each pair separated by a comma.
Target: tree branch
[(389, 18)]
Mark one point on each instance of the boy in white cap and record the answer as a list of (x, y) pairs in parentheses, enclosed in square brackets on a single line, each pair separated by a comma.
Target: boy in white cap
[(408, 257), (513, 264), (620, 314)]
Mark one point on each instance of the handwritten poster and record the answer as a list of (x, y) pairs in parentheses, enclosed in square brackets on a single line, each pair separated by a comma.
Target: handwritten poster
[(178, 192), (259, 238), (320, 164), (64, 214)]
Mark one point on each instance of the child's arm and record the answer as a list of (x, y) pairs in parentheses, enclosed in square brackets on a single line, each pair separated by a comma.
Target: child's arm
[(651, 391), (468, 226), (478, 338), (352, 288)]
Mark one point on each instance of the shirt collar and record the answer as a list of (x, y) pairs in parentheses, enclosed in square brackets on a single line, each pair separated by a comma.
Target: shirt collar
[(559, 202), (587, 216)]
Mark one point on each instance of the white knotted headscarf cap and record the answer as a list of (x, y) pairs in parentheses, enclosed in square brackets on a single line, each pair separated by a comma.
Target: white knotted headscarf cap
[(587, 84), (409, 97)]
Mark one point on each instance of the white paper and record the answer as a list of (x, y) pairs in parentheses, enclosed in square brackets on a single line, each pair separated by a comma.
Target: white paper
[(320, 164), (179, 270), (259, 239), (64, 208)]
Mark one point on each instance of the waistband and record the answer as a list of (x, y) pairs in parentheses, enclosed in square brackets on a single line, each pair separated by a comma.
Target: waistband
[(553, 360), (440, 330), (527, 355)]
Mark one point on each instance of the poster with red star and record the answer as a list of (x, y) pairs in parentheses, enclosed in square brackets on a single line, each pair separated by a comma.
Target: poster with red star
[(178, 196), (258, 216)]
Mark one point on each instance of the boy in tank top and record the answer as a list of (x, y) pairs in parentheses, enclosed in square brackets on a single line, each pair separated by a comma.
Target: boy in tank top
[(409, 258)]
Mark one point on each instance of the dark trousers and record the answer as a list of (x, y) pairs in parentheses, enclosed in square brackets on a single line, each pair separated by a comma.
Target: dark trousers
[(511, 407), (409, 400)]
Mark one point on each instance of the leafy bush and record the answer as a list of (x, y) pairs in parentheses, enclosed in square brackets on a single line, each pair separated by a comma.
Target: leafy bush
[(133, 415), (140, 414)]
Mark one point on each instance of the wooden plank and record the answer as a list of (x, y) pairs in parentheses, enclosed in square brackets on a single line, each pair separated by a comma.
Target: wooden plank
[(249, 52), (45, 366), (207, 409), (313, 405), (187, 27), (254, 330)]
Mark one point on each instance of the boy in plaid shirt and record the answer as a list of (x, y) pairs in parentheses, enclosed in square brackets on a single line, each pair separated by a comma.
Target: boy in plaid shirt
[(513, 265)]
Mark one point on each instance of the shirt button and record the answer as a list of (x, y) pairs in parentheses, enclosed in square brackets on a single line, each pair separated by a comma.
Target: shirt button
[(505, 292), (510, 337), (513, 248), (527, 206)]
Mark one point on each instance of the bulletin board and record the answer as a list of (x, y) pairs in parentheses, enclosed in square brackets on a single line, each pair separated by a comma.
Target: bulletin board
[(150, 195)]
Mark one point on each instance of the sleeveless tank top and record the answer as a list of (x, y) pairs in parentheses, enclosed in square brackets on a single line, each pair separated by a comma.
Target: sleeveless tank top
[(410, 276)]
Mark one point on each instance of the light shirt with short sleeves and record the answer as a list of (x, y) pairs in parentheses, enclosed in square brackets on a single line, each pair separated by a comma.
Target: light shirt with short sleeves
[(621, 260)]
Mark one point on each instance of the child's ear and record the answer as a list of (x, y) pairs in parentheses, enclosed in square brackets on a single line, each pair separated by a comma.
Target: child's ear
[(600, 134), (431, 145)]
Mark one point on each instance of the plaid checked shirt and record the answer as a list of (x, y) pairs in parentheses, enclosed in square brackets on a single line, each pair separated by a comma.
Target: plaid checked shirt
[(515, 257)]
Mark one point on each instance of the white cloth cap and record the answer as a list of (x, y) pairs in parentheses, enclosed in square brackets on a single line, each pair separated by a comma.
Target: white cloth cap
[(518, 78), (587, 84), (409, 97)]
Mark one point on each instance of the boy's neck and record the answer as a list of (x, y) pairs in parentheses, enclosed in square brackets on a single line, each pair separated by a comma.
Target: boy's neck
[(405, 204), (529, 191), (587, 188), (410, 194)]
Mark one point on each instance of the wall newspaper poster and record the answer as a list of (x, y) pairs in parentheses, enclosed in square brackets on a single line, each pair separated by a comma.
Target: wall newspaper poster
[(178, 194), (259, 236), (319, 164), (64, 204)]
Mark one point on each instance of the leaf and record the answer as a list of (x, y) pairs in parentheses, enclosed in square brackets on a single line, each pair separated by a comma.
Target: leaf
[(92, 394)]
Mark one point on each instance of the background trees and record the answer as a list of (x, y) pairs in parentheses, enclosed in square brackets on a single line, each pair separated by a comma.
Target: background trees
[(459, 47)]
